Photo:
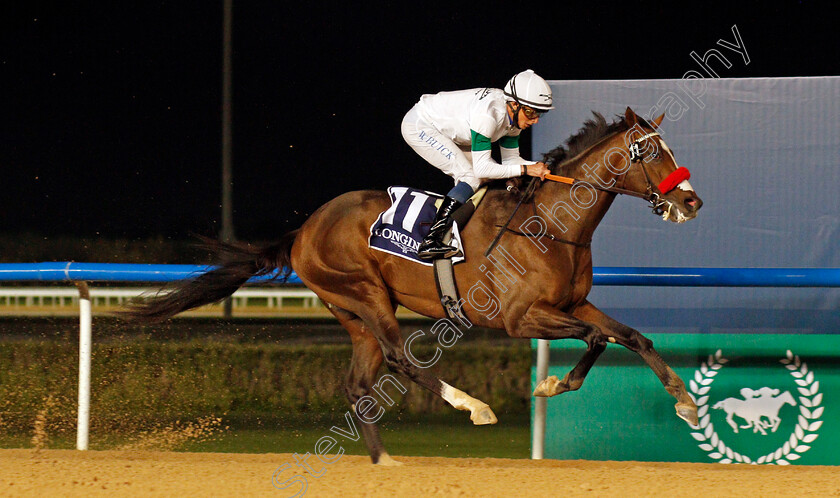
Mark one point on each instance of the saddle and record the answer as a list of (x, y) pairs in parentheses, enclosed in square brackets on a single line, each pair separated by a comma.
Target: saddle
[(401, 228)]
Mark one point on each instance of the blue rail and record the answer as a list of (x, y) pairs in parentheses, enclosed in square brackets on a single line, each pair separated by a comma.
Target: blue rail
[(613, 275), (111, 272), (717, 277)]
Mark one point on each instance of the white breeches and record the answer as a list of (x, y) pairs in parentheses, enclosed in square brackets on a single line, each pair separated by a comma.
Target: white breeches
[(439, 150)]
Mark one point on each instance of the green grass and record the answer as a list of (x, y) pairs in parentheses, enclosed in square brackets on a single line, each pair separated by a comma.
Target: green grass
[(453, 436), (435, 438), (272, 396)]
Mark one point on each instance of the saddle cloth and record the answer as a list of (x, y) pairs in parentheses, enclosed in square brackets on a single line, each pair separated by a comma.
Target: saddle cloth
[(400, 229)]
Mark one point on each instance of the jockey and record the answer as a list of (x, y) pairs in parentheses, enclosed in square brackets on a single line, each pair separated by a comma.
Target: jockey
[(454, 132)]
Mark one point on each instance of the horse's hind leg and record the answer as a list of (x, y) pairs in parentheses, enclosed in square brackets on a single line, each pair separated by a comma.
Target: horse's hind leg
[(367, 358), (545, 322), (552, 386), (382, 321), (641, 345), (731, 422)]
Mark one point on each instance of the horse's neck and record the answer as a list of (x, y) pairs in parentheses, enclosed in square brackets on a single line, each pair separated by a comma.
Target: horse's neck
[(583, 207), (589, 165)]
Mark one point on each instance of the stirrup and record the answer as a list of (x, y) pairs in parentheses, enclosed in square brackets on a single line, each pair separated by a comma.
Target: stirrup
[(436, 251)]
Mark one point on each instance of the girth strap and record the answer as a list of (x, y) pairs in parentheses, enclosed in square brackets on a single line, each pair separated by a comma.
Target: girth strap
[(444, 273), (448, 290)]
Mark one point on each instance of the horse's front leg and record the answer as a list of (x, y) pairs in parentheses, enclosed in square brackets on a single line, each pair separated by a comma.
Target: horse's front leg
[(382, 322), (545, 322), (633, 340)]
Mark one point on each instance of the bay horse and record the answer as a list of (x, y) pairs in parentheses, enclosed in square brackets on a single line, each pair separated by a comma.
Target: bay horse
[(538, 292)]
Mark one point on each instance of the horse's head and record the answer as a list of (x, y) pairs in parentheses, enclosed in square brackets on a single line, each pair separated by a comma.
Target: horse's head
[(786, 397), (653, 171)]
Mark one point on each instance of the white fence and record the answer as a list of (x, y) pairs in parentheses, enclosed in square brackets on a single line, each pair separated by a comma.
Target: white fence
[(283, 301)]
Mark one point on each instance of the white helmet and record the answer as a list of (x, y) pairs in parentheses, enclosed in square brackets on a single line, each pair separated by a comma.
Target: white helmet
[(527, 88)]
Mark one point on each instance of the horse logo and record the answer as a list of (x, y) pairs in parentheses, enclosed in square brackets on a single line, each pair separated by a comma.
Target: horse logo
[(759, 410), (756, 406)]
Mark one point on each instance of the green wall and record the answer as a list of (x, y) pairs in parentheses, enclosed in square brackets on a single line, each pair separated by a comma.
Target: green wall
[(622, 412)]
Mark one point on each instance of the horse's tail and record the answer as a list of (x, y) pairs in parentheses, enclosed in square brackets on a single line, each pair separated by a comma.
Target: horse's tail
[(240, 262)]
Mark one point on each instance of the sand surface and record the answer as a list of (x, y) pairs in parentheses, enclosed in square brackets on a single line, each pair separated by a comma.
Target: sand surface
[(142, 473)]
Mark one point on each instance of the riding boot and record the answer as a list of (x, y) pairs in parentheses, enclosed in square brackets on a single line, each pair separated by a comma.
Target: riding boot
[(432, 246)]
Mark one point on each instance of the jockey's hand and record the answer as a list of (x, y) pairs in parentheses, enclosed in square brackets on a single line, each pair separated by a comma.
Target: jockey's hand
[(537, 169)]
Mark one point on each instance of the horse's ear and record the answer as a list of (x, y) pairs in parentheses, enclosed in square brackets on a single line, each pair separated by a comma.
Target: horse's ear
[(630, 117), (656, 122)]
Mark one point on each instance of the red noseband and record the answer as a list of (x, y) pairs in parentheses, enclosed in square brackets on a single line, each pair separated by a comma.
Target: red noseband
[(674, 179)]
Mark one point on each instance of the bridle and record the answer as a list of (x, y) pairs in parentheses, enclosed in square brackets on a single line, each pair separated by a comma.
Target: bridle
[(653, 194)]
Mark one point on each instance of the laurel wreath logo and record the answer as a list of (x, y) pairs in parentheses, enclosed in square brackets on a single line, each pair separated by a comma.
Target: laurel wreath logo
[(808, 422)]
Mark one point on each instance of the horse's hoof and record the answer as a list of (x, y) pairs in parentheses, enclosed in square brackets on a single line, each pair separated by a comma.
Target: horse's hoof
[(549, 387), (385, 460), (483, 416), (688, 413)]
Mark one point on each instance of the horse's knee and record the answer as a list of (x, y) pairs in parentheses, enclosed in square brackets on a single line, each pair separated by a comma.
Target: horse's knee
[(352, 394), (595, 339), (598, 345), (639, 343), (355, 388)]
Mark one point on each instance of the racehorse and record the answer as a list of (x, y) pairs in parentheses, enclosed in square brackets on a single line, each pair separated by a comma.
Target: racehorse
[(764, 402), (543, 268)]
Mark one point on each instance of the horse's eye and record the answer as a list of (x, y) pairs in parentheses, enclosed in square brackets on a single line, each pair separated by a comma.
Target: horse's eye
[(655, 155)]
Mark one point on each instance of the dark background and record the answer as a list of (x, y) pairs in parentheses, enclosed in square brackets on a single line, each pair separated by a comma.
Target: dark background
[(110, 112)]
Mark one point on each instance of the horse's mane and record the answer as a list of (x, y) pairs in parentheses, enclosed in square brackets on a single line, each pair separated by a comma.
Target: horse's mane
[(593, 131)]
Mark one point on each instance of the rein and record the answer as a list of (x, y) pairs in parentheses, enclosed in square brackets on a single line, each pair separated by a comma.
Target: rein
[(615, 190), (529, 194), (652, 195)]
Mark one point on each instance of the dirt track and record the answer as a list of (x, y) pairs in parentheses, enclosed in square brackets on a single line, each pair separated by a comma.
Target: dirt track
[(70, 473)]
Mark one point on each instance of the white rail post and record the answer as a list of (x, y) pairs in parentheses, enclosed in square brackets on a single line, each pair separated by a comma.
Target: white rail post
[(84, 366), (541, 404)]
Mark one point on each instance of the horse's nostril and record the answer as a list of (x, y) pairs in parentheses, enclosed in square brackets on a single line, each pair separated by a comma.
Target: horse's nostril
[(693, 204)]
